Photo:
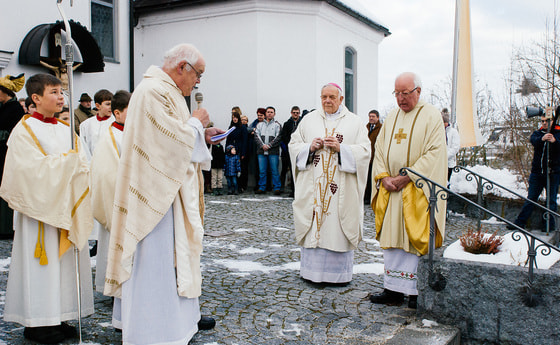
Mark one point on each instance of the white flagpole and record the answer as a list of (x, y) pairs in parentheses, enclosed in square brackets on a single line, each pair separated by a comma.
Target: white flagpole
[(69, 51)]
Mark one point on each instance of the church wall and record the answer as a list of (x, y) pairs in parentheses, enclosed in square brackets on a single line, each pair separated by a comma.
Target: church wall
[(264, 52), (16, 22)]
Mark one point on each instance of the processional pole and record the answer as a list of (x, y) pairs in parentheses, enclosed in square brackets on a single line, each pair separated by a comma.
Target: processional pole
[(69, 52)]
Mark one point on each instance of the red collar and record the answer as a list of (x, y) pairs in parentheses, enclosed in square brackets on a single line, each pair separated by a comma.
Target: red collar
[(102, 118), (119, 126), (40, 117)]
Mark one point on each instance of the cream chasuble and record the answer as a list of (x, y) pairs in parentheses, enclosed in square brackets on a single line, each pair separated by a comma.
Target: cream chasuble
[(417, 140), (155, 173), (48, 188), (328, 203), (104, 164)]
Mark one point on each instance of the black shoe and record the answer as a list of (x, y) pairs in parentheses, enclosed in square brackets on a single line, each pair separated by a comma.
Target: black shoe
[(70, 332), (259, 191), (44, 335), (277, 192), (387, 297), (413, 301), (93, 250), (206, 323)]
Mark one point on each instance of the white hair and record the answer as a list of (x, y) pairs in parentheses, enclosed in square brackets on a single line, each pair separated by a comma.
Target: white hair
[(415, 78), (181, 52), (335, 86)]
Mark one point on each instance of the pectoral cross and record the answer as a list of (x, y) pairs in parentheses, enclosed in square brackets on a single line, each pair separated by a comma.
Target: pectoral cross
[(400, 135)]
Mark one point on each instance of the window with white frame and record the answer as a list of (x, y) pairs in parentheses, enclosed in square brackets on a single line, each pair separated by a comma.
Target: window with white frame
[(103, 24), (350, 78)]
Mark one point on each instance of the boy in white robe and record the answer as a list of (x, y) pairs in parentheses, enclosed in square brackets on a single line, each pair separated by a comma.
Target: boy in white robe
[(47, 184), (92, 128)]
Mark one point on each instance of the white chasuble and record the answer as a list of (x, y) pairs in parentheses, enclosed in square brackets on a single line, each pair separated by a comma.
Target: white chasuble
[(328, 203), (416, 140), (45, 185)]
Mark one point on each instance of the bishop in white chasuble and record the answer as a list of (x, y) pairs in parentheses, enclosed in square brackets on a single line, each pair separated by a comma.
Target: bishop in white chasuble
[(328, 203)]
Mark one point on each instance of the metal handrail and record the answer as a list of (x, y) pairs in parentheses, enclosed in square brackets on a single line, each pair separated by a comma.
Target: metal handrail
[(436, 280), (489, 185)]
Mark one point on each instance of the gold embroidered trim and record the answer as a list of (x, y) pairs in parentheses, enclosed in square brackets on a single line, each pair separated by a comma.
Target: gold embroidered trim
[(410, 140), (391, 140), (143, 199), (26, 126), (121, 209), (114, 141), (164, 130), (144, 155), (79, 202)]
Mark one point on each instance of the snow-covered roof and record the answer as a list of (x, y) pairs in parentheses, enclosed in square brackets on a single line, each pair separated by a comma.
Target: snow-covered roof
[(351, 7)]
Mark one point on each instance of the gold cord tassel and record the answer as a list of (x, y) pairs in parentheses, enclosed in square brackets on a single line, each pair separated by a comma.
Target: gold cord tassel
[(40, 246)]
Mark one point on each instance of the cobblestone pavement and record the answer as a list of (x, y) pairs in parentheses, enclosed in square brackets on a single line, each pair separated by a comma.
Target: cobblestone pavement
[(251, 284)]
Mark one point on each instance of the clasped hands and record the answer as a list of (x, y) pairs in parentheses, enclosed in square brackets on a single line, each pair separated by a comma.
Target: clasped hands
[(329, 142), (549, 137), (395, 183)]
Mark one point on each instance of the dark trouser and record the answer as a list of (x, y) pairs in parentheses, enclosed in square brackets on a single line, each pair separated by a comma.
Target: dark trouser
[(286, 166), (6, 221), (231, 183), (537, 182), (367, 194), (449, 171), (244, 178)]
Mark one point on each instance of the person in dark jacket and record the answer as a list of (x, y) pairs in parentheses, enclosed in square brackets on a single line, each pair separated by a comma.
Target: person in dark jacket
[(373, 126), (232, 168), (540, 139), (11, 113), (288, 128), (238, 137), (218, 161)]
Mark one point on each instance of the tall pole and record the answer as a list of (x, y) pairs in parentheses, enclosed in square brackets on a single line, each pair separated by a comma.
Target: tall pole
[(455, 65), (69, 51)]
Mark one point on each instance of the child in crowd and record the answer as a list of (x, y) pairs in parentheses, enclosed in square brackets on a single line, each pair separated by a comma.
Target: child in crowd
[(218, 161), (104, 165), (63, 115), (231, 169), (91, 129), (47, 184)]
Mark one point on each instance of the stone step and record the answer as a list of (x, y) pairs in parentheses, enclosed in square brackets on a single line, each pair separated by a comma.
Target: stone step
[(426, 332)]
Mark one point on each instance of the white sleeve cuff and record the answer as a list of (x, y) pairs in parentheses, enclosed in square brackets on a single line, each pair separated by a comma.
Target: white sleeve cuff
[(200, 152), (347, 161)]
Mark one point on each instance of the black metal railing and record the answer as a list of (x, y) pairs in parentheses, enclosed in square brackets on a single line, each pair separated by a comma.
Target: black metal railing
[(483, 183), (436, 280)]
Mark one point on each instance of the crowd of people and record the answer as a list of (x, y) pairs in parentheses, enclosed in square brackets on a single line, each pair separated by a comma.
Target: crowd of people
[(139, 189)]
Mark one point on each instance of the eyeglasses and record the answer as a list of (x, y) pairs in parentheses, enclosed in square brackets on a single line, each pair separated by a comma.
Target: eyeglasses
[(404, 93), (295, 112), (198, 74)]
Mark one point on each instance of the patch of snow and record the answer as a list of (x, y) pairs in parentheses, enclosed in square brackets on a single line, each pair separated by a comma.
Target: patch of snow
[(504, 177), (218, 202), (429, 323), (511, 253), (251, 250), (5, 264), (492, 220), (295, 329), (242, 230), (105, 324), (370, 240), (280, 228)]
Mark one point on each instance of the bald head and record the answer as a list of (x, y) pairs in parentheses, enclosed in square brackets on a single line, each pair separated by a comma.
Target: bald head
[(407, 90)]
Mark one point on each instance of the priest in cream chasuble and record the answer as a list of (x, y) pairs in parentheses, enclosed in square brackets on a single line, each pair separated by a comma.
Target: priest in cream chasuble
[(412, 136), (331, 150)]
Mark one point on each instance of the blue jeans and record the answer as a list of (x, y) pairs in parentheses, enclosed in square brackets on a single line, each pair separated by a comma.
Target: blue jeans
[(231, 183), (537, 182), (264, 162)]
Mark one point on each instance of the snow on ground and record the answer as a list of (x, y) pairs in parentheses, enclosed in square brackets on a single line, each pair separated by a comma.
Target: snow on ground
[(251, 250), (511, 253), (5, 264), (492, 220), (504, 177), (252, 266)]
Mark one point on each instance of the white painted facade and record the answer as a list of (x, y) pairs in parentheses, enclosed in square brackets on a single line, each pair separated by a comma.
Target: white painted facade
[(18, 19), (264, 52), (258, 52)]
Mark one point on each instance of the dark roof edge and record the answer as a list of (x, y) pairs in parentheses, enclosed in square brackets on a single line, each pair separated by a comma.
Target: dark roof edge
[(149, 6), (344, 8)]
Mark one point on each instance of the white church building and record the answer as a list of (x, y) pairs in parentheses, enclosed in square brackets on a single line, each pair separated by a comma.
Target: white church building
[(258, 52)]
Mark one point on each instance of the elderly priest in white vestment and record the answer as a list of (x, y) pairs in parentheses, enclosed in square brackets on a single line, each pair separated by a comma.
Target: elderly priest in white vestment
[(156, 232), (330, 153), (412, 136)]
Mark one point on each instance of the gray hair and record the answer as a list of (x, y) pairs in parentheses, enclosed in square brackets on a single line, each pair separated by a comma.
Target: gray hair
[(415, 78), (445, 118), (181, 52)]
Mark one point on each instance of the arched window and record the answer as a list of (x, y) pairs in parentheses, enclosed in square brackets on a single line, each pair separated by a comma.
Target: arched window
[(350, 78)]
